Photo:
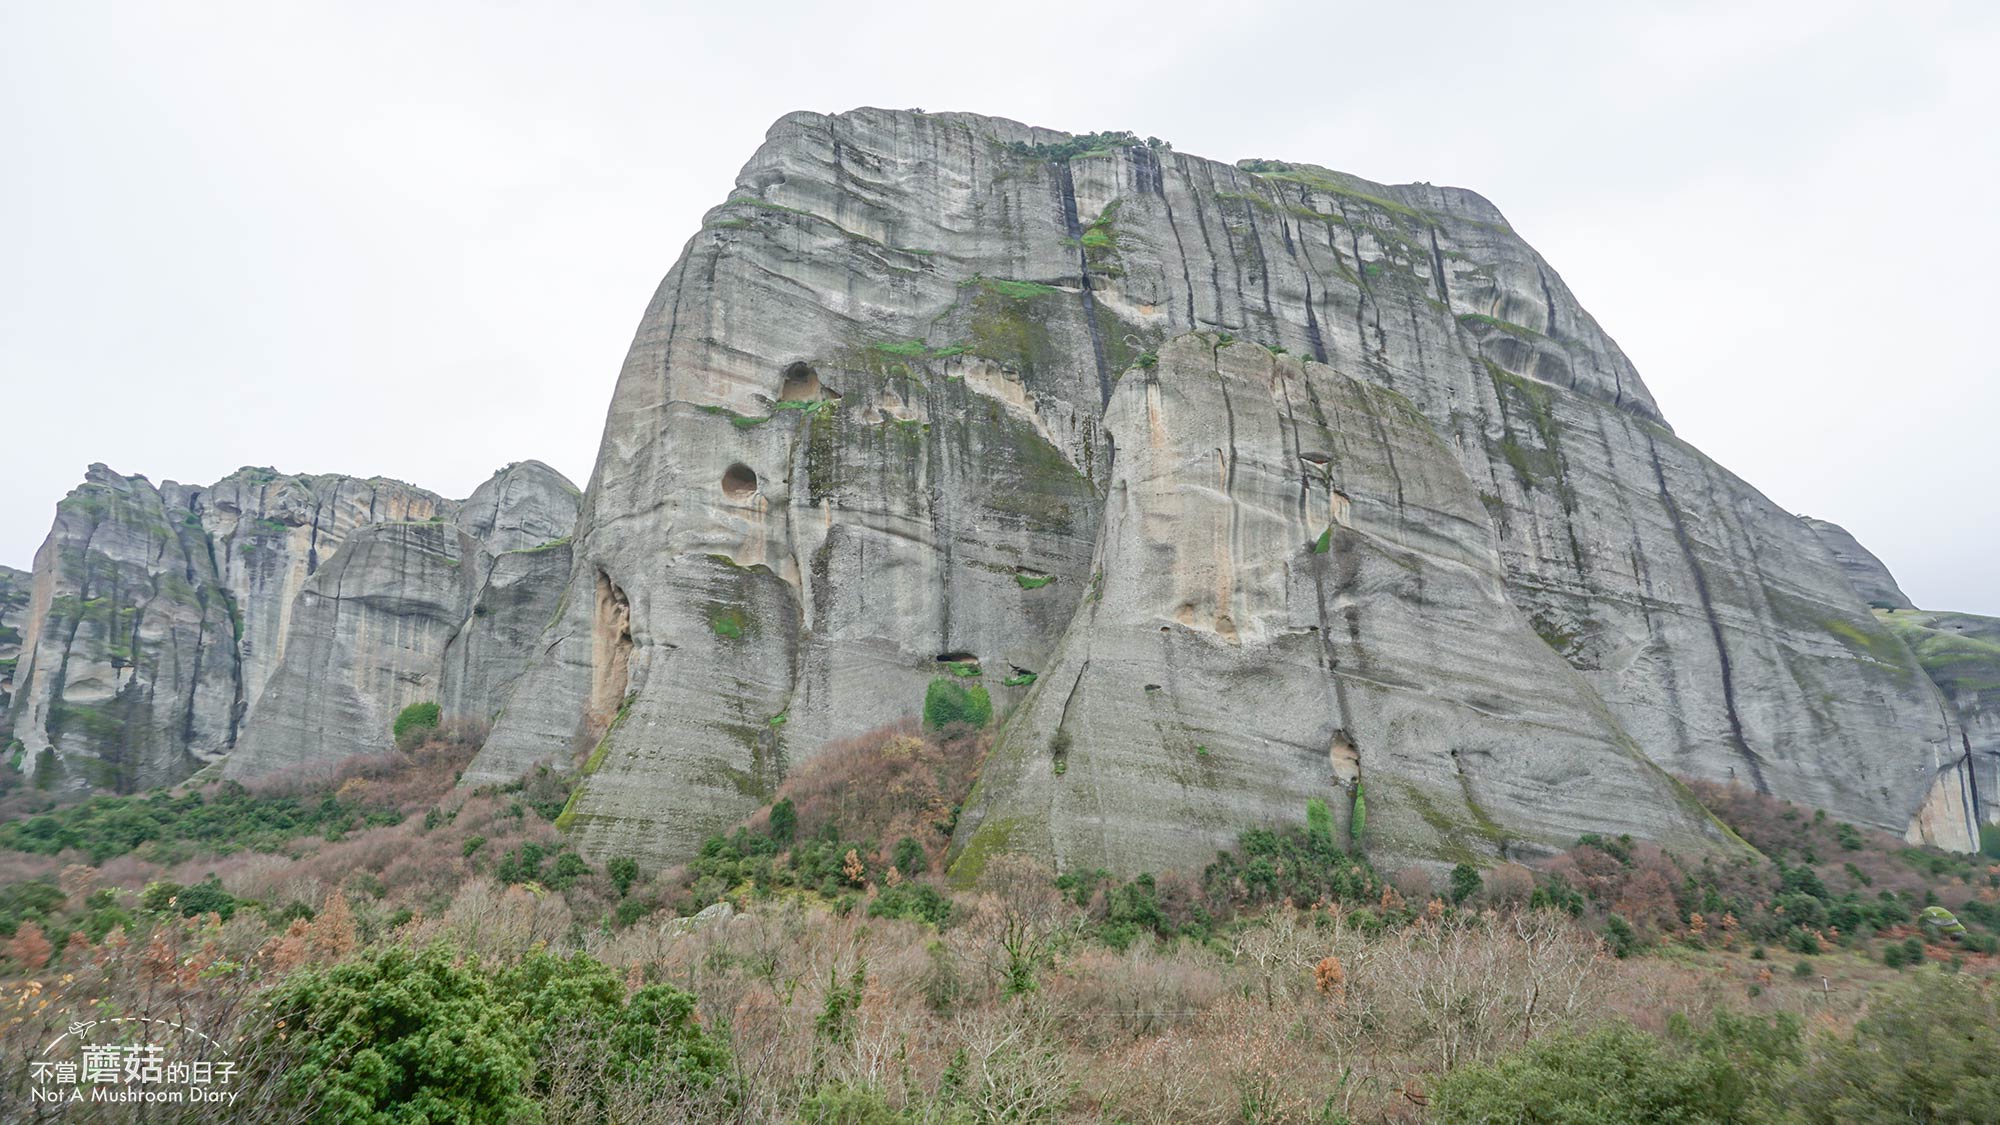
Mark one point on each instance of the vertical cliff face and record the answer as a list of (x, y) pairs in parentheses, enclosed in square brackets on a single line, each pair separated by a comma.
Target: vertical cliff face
[(412, 612), (15, 593), (126, 677), (1960, 652), (270, 532), (158, 615), (1297, 594), (869, 421)]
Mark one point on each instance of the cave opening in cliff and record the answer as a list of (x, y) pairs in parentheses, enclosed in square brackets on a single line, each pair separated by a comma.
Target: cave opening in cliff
[(801, 384), (957, 658), (739, 481)]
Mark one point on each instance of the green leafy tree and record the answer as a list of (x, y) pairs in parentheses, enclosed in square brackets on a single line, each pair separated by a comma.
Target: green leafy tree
[(657, 1037), (910, 857), (1619, 935), (835, 1022), (206, 897), (159, 896), (784, 822), (1465, 882), (624, 871), (1319, 821)]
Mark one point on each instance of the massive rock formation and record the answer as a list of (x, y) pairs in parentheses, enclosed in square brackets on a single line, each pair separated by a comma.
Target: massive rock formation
[(1960, 652), (159, 614), (922, 390), (1870, 579), (1298, 594), (408, 612), (14, 594)]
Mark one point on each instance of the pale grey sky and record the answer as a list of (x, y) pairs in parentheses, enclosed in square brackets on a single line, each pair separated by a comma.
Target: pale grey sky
[(414, 239)]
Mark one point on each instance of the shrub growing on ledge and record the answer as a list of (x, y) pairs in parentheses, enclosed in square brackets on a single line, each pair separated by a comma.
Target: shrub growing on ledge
[(414, 723), (948, 701)]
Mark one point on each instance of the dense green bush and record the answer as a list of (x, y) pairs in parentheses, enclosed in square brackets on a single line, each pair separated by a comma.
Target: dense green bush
[(415, 722), (1924, 1053), (222, 819), (1620, 937), (919, 902), (623, 871), (526, 864), (1733, 1071), (840, 1104), (399, 1035), (35, 901), (1302, 866), (948, 702), (1465, 882), (205, 897), (783, 823), (653, 1036)]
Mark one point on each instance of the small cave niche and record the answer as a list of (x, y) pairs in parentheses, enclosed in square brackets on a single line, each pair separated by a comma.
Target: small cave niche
[(739, 481), (1316, 458), (957, 658), (1345, 758), (800, 383)]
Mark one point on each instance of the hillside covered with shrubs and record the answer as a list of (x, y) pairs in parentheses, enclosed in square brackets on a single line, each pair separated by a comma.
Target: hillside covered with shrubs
[(382, 946)]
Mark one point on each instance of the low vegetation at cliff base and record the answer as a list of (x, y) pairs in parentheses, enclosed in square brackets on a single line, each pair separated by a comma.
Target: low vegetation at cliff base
[(382, 946)]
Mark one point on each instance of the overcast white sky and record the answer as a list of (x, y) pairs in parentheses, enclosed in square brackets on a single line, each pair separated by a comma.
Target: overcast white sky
[(414, 239)]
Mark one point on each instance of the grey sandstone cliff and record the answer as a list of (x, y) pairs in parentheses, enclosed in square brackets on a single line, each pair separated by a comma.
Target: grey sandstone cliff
[(158, 615), (1960, 652), (1870, 579), (15, 587), (922, 389), (413, 612)]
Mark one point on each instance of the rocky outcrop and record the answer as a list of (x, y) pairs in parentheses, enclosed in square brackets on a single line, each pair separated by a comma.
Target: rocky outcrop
[(1870, 579), (517, 526), (1960, 652), (15, 587), (160, 614), (883, 413), (127, 676), (441, 610)]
